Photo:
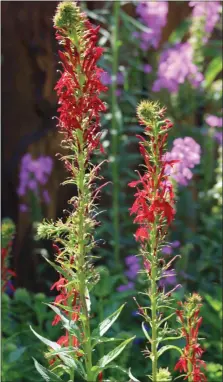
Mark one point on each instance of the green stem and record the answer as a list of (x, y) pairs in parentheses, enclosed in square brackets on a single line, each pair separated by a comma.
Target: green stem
[(101, 318), (115, 135), (154, 314), (189, 364), (81, 261), (154, 272)]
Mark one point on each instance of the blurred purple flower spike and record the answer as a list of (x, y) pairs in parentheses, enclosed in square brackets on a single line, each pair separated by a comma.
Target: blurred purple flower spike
[(175, 67), (209, 11), (33, 173), (126, 287), (188, 152)]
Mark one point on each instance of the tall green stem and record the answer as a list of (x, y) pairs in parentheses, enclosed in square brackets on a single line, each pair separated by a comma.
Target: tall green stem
[(154, 309), (189, 364), (154, 273), (81, 262), (115, 134)]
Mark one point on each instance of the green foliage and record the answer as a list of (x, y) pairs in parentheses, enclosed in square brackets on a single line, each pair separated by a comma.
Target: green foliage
[(18, 343)]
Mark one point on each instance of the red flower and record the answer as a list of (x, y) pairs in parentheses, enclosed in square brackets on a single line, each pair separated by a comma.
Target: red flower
[(6, 272), (181, 365), (192, 351), (155, 198), (80, 86)]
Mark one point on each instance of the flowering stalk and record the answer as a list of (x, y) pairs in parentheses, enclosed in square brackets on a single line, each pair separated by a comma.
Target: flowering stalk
[(190, 321), (154, 210), (78, 89)]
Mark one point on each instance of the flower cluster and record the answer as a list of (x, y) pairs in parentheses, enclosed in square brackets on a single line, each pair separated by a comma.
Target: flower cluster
[(80, 83), (187, 152), (155, 200), (215, 122), (175, 67), (209, 11), (133, 266), (34, 174), (190, 362), (8, 231), (154, 210), (154, 16)]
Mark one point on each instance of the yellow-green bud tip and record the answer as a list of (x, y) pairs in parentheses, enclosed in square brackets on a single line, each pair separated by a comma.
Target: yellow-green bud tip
[(149, 112), (67, 15), (195, 298), (163, 375)]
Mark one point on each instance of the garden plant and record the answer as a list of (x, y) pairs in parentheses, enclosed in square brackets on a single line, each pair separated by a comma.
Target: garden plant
[(136, 257)]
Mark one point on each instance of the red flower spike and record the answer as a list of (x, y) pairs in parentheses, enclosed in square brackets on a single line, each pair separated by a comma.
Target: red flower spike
[(192, 351)]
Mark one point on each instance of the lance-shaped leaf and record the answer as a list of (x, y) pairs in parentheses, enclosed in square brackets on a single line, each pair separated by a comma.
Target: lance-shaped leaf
[(168, 347), (105, 325), (133, 379), (104, 361), (67, 324), (68, 361), (46, 374), (51, 344), (146, 333)]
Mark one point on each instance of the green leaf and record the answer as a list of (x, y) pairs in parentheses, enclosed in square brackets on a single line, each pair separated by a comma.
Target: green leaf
[(130, 20), (213, 69), (67, 324), (104, 361), (146, 333), (106, 324), (178, 33), (165, 319), (58, 312), (46, 374), (56, 267), (51, 344), (168, 347), (133, 379)]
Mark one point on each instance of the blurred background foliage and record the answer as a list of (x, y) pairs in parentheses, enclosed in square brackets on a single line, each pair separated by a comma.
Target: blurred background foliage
[(29, 73)]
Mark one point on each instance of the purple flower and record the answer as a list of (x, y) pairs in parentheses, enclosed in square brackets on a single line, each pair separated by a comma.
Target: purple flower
[(118, 92), (167, 250), (133, 266), (46, 196), (130, 260), (218, 137), (154, 16), (209, 11), (106, 78), (126, 287), (147, 68), (33, 173), (175, 244), (175, 67), (213, 121), (188, 152), (23, 207), (168, 278)]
